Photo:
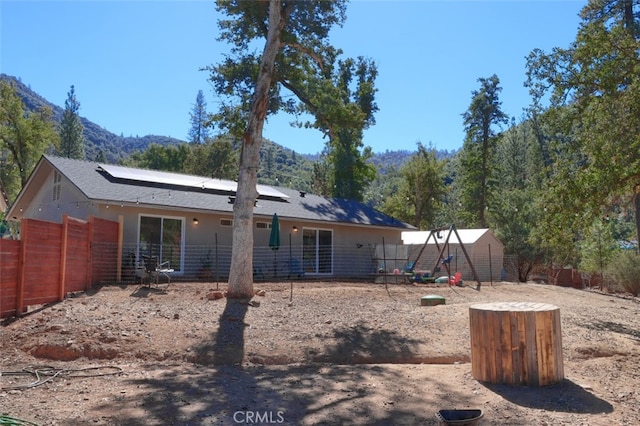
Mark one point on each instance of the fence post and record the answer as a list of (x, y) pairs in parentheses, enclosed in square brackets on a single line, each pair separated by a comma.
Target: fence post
[(490, 267), (120, 248), (21, 267), (89, 275), (63, 256)]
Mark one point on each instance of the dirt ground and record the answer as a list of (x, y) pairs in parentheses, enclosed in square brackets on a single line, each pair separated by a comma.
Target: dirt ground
[(307, 354)]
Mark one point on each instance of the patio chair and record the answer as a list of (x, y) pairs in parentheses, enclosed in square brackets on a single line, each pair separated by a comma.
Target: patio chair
[(153, 269)]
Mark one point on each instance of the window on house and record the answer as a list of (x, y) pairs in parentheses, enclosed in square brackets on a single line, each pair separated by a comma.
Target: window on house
[(317, 250), (162, 237), (263, 225), (226, 222), (57, 183)]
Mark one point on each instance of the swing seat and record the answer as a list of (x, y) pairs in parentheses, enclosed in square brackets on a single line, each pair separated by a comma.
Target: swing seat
[(447, 259)]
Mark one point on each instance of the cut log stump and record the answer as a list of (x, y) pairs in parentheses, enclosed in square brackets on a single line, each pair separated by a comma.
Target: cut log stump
[(516, 343)]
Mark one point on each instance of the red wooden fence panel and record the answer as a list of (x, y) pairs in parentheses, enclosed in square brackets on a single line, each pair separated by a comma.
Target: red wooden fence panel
[(10, 255), (41, 244), (53, 259), (104, 250), (567, 277), (77, 255)]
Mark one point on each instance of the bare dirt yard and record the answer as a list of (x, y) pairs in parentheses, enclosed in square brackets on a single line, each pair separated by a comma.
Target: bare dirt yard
[(324, 353)]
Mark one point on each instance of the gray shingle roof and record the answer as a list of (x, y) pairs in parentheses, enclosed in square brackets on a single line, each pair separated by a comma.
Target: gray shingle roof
[(99, 186)]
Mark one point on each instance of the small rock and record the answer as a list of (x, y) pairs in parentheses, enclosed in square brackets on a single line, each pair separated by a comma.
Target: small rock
[(260, 292), (176, 316), (215, 295)]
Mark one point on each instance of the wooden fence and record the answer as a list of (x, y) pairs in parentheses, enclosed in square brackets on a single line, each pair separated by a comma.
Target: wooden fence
[(53, 259)]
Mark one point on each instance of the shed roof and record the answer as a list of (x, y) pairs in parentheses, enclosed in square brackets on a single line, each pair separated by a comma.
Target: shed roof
[(98, 185)]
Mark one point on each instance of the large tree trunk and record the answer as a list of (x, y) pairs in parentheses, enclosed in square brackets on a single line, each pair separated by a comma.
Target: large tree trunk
[(241, 274), (636, 201)]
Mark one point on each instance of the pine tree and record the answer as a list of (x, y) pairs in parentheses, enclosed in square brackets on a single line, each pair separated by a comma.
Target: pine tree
[(479, 149), (71, 129), (421, 190), (199, 132)]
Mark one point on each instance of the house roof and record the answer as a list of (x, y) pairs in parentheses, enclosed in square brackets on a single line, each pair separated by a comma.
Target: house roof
[(468, 236), (122, 187)]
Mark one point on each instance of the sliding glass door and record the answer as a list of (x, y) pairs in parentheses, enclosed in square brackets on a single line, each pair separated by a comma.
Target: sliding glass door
[(162, 237), (317, 251)]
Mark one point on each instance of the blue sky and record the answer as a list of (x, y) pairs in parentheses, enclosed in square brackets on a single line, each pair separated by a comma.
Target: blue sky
[(136, 65)]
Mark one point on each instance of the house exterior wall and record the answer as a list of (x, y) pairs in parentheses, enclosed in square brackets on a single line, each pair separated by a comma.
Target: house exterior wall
[(355, 252), (70, 201), (208, 243)]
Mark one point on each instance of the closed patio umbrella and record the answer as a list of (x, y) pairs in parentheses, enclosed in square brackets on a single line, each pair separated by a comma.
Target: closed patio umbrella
[(274, 240)]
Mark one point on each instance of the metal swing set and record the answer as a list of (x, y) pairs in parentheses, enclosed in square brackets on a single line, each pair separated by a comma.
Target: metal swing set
[(446, 261)]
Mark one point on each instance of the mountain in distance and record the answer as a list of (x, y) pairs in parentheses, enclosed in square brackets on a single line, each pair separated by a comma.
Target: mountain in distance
[(116, 148)]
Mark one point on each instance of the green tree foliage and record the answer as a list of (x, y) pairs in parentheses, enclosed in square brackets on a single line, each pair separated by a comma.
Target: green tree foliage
[(421, 190), (158, 157), (216, 158), (100, 157), (385, 185), (478, 151), (71, 136), (597, 248), (321, 178), (513, 212), (199, 132), (268, 161), (624, 271), (343, 106), (593, 88), (283, 167), (24, 137), (338, 94)]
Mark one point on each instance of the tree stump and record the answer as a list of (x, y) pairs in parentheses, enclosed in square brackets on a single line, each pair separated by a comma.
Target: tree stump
[(516, 343)]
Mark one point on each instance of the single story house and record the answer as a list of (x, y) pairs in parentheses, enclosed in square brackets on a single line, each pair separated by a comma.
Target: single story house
[(485, 251), (187, 220)]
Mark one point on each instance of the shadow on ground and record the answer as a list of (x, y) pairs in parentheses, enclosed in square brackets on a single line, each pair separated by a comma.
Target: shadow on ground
[(148, 291), (361, 344), (565, 396), (223, 390), (615, 327), (290, 395)]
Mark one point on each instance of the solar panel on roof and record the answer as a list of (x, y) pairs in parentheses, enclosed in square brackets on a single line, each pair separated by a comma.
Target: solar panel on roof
[(155, 176), (268, 191)]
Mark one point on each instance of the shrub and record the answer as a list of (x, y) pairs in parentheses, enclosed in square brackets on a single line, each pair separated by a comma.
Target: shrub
[(624, 271)]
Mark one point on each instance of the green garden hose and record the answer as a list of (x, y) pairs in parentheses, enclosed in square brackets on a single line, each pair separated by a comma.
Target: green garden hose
[(12, 421)]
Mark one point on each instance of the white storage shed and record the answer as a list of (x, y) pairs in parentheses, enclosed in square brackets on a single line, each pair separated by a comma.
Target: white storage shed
[(484, 249)]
